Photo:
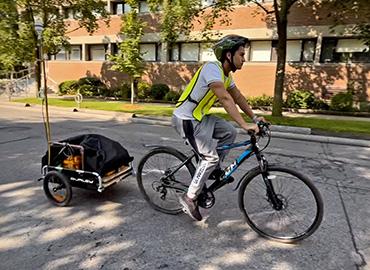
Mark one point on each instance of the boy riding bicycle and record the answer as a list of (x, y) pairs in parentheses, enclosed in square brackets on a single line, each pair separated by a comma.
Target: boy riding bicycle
[(205, 132)]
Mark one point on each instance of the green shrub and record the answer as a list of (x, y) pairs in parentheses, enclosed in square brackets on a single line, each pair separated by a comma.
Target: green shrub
[(342, 102), (124, 91), (300, 99), (172, 96), (103, 91), (90, 81), (143, 90), (68, 87), (90, 86), (260, 101), (364, 106), (319, 104), (158, 91), (87, 90)]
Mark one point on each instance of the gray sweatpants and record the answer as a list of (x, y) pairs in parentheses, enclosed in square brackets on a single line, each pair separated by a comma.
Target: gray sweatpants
[(204, 137)]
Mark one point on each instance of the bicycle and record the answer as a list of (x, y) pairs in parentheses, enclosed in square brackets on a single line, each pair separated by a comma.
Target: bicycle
[(275, 201)]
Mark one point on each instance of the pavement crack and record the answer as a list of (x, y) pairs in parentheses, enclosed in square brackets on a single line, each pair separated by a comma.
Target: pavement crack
[(361, 260), (17, 140)]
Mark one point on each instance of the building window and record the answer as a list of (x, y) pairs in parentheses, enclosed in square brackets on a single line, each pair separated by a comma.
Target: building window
[(344, 50), (207, 3), (260, 51), (175, 52), (189, 52), (293, 50), (301, 50), (61, 55), (97, 52), (149, 51), (274, 45), (186, 52), (308, 50), (206, 53), (143, 7), (117, 8), (297, 51), (74, 53), (115, 48), (120, 7), (328, 50), (68, 12)]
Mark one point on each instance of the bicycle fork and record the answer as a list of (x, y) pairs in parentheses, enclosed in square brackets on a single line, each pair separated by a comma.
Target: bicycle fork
[(277, 204)]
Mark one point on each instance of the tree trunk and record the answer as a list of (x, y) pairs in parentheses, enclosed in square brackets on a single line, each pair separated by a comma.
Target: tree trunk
[(282, 23)]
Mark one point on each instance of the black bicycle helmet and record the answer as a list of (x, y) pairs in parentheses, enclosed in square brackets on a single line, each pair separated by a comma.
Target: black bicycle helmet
[(228, 43)]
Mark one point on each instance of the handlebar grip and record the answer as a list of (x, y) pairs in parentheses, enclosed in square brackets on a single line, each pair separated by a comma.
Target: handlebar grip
[(251, 132), (263, 128)]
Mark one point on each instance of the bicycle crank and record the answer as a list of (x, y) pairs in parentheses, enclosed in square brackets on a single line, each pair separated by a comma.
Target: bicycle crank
[(206, 199)]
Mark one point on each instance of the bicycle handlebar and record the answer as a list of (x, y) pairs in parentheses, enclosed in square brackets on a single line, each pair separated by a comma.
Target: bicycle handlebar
[(264, 128)]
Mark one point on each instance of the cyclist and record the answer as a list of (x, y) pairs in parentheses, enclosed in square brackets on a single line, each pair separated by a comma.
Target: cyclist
[(204, 132)]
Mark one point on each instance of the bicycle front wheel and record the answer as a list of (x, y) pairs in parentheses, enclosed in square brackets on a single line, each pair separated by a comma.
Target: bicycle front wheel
[(162, 177), (301, 210)]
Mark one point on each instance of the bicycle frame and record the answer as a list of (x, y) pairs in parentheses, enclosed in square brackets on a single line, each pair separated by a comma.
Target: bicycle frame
[(229, 170), (252, 149)]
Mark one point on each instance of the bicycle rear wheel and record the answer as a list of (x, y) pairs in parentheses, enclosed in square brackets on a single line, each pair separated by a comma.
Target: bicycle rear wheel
[(302, 207), (161, 187)]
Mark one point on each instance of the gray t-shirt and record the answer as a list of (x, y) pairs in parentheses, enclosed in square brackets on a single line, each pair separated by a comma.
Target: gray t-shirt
[(211, 72)]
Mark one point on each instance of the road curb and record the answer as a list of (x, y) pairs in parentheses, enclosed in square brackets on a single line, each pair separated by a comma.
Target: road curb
[(285, 132)]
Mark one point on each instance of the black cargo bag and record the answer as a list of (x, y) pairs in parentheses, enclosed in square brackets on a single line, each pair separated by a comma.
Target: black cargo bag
[(101, 154)]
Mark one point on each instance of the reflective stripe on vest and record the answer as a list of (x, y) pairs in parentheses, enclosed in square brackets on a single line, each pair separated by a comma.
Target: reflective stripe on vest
[(204, 105)]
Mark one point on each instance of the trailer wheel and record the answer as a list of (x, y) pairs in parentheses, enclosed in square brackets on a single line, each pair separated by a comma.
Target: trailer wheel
[(57, 188)]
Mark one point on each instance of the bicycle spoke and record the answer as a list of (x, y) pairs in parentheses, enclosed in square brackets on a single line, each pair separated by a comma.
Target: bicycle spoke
[(295, 217), (162, 179)]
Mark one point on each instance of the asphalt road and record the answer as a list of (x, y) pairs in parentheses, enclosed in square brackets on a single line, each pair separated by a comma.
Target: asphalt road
[(118, 230)]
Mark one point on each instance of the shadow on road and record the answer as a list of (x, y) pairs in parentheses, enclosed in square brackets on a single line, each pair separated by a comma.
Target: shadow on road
[(118, 230)]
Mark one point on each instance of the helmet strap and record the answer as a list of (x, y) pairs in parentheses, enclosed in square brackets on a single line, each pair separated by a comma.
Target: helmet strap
[(231, 63)]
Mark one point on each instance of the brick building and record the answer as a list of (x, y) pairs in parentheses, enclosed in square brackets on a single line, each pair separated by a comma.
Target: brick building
[(318, 58)]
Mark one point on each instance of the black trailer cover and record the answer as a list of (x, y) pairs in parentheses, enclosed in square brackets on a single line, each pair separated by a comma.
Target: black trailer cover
[(101, 153)]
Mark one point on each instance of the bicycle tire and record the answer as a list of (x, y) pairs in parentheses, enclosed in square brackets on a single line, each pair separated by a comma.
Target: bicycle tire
[(54, 182), (253, 179), (170, 205)]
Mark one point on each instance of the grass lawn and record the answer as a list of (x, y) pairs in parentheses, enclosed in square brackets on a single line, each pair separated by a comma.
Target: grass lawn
[(315, 123)]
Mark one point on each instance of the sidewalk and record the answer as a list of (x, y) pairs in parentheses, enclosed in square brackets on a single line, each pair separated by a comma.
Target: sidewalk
[(287, 132)]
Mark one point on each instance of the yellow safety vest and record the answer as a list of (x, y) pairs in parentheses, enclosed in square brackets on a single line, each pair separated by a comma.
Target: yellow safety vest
[(205, 104)]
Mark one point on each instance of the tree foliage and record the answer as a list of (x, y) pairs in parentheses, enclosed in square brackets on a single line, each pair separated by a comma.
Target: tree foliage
[(14, 37), (179, 17), (354, 10), (129, 59), (21, 16), (21, 40)]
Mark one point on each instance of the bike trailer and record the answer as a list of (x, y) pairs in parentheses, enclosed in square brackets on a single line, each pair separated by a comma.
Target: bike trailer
[(89, 161)]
